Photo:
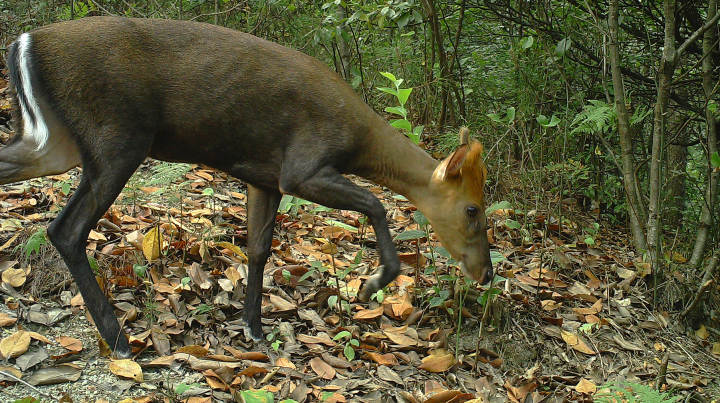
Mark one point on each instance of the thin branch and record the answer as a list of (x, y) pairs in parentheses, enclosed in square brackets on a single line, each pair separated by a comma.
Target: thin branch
[(695, 35)]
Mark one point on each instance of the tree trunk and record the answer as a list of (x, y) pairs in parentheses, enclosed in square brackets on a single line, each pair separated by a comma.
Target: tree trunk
[(665, 73), (432, 16), (706, 217), (636, 209)]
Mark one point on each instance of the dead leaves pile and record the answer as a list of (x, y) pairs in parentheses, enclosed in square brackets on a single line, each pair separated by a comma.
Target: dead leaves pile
[(176, 274)]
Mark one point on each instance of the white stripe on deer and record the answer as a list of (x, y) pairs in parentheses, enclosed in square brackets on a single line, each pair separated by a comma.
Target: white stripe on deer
[(37, 130)]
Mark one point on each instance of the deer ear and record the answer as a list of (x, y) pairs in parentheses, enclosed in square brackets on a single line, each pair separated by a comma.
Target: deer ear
[(464, 135), (450, 167)]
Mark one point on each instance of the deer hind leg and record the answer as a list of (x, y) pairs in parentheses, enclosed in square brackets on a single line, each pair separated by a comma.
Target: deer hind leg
[(328, 187), (23, 158), (112, 159), (262, 207)]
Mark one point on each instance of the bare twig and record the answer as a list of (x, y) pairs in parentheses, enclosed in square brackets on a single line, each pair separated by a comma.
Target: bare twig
[(705, 283), (662, 374), (16, 379)]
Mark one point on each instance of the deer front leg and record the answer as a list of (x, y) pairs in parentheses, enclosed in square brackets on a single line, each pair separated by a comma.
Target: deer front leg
[(328, 187), (262, 207)]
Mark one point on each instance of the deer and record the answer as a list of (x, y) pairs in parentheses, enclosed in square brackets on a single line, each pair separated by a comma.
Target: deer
[(105, 93)]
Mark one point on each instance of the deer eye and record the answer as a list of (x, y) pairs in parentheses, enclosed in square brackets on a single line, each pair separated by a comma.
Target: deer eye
[(471, 211)]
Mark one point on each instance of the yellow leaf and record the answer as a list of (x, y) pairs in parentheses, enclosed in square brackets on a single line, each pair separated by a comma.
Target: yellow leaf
[(716, 348), (127, 369), (14, 277), (15, 345), (438, 361), (702, 333), (284, 362), (585, 386), (234, 249), (576, 343), (151, 244)]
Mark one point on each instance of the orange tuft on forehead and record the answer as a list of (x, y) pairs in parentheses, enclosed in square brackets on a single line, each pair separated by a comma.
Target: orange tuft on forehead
[(473, 171)]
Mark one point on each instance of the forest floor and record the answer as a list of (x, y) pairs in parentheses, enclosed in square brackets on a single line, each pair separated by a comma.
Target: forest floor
[(569, 318)]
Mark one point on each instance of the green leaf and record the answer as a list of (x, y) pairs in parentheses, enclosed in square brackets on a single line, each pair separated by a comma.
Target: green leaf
[(140, 270), (285, 204), (510, 116), (494, 117), (181, 388), (398, 110), (420, 218), (418, 130), (35, 242), (410, 234), (286, 274), (208, 192), (401, 124), (553, 121), (589, 241), (403, 95), (498, 206), (527, 42), (341, 335), (496, 257), (715, 159), (342, 225), (542, 119), (257, 396), (512, 224), (482, 299), (349, 352), (389, 76), (391, 91)]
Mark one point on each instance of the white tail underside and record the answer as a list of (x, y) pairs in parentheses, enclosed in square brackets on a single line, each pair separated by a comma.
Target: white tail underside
[(37, 130)]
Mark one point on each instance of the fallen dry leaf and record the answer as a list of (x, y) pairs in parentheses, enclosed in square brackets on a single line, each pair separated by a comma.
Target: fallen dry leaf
[(585, 386), (14, 277), (234, 249), (6, 320), (15, 345), (383, 359), (447, 396), (702, 333), (398, 306), (194, 350), (70, 343), (438, 361), (576, 343), (366, 314), (285, 363), (151, 244), (323, 369), (127, 369)]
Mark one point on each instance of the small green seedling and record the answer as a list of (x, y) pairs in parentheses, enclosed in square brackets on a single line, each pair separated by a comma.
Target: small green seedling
[(349, 351)]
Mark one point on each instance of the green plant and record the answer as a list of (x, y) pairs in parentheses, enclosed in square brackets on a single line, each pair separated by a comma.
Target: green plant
[(36, 241), (402, 95), (632, 392), (181, 388), (291, 205), (349, 341), (275, 342), (591, 233)]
